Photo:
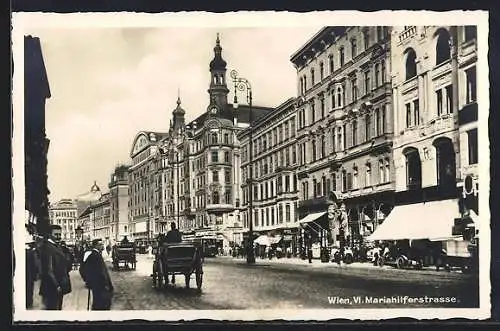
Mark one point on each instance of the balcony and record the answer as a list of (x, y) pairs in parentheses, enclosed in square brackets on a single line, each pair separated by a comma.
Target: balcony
[(408, 33), (219, 207), (410, 85), (442, 69)]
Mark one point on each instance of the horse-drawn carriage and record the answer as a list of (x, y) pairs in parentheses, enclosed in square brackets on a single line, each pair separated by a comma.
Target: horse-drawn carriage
[(123, 254), (177, 259)]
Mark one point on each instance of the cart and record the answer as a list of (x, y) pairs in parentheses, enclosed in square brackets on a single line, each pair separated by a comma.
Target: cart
[(123, 254), (177, 259)]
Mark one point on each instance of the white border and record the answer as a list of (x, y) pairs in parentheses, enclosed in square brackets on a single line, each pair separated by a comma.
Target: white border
[(25, 22)]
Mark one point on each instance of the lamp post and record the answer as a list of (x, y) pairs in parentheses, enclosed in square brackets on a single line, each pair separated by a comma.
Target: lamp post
[(243, 84)]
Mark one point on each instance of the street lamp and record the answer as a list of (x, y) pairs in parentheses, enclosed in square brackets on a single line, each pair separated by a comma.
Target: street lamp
[(243, 84)]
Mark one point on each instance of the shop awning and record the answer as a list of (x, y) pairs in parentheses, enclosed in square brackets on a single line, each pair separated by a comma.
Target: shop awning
[(263, 240), (311, 217), (275, 240), (430, 220)]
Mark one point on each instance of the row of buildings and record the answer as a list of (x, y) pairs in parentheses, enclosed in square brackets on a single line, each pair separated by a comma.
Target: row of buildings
[(384, 117)]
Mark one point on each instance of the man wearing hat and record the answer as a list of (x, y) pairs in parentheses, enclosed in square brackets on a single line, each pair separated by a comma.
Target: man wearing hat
[(55, 281), (32, 267), (96, 276)]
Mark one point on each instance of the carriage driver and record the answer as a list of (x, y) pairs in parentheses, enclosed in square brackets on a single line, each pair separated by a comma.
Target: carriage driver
[(173, 236)]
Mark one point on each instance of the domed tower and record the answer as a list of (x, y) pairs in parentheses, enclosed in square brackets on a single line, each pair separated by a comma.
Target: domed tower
[(218, 89), (178, 117)]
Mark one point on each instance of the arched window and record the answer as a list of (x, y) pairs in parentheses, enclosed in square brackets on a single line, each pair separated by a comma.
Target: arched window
[(442, 46), (215, 198), (214, 138), (411, 65), (341, 56), (413, 169), (445, 163)]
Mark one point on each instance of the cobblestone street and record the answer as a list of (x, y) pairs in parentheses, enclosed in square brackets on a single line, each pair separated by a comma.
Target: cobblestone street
[(231, 284)]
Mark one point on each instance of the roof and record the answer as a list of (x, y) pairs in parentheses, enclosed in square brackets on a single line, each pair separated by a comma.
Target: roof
[(242, 114), (316, 43)]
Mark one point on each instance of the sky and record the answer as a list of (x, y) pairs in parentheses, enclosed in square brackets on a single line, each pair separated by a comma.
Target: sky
[(107, 84)]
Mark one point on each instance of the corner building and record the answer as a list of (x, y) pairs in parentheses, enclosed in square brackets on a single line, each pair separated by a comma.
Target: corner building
[(345, 128)]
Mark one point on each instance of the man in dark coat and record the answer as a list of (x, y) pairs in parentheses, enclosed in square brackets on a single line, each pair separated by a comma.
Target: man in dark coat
[(96, 276), (32, 271), (55, 281), (173, 236)]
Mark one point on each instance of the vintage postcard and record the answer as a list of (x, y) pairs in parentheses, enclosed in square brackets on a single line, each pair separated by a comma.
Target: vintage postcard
[(251, 166)]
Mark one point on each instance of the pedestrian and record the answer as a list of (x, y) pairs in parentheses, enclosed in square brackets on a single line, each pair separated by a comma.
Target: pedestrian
[(55, 281), (96, 276), (67, 253), (308, 243)]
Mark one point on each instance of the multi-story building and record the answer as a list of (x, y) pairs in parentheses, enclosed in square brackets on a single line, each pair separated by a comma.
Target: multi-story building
[(344, 127), (36, 144), (275, 188), (100, 219), (202, 192), (435, 140), (119, 201), (146, 179), (65, 214)]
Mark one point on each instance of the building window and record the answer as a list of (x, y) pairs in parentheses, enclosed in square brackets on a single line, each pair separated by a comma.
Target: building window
[(354, 48), (368, 176), (339, 97), (226, 138), (381, 171), (227, 176), (321, 71), (366, 39), (294, 155), (287, 213), (413, 169), (354, 133), (344, 137), (470, 32), (380, 33), (367, 82), (416, 112), (305, 84), (408, 115), (355, 178), (387, 171), (215, 156), (449, 99), (314, 150), (215, 176), (382, 72), (368, 125), (292, 127), (411, 65), (471, 95), (228, 197), (339, 138), (331, 64), (215, 198), (214, 138), (377, 122), (227, 159), (354, 89), (443, 47), (472, 146), (384, 112), (322, 107), (315, 192), (341, 56), (344, 181), (439, 102), (313, 112), (312, 77), (377, 74), (445, 163), (323, 146)]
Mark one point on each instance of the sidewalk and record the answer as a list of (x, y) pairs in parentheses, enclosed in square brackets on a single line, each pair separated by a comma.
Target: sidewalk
[(76, 300), (317, 264)]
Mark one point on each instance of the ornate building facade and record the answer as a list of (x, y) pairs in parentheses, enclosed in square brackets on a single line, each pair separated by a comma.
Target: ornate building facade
[(65, 214), (275, 187), (119, 200), (344, 128)]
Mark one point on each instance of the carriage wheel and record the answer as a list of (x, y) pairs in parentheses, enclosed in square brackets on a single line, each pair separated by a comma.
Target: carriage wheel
[(187, 278), (400, 263), (199, 279)]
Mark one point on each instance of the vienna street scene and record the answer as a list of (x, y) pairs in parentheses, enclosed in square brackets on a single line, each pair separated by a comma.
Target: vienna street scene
[(251, 168)]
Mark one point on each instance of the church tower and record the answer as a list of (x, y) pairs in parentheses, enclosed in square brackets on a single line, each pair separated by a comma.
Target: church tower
[(177, 125), (218, 89)]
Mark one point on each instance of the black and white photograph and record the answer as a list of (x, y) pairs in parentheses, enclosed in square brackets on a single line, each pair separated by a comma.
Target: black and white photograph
[(251, 166)]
